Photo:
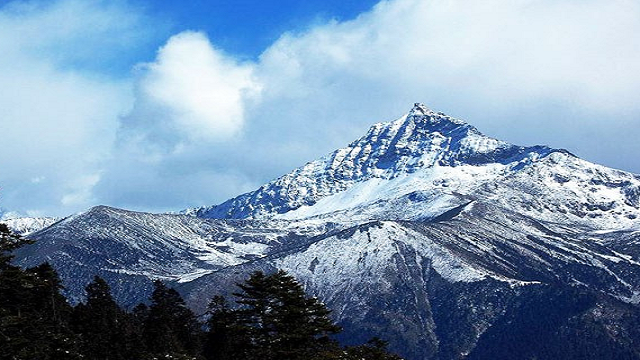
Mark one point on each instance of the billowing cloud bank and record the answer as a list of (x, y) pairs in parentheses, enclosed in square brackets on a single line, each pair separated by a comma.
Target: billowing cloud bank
[(197, 125)]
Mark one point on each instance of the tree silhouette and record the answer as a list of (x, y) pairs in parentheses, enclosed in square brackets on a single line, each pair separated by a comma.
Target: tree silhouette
[(170, 327), (106, 330)]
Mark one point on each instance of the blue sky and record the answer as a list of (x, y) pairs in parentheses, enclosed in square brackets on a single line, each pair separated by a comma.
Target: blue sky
[(246, 27), (161, 105)]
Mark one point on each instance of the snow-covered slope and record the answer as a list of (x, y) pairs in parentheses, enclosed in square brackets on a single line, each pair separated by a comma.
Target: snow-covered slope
[(434, 288), (425, 163), (562, 188), (27, 225), (120, 244), (422, 139), (424, 232)]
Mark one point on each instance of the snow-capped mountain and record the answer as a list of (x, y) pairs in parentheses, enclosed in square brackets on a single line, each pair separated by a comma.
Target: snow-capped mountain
[(425, 163), (425, 232), (420, 140), (124, 246), (26, 225)]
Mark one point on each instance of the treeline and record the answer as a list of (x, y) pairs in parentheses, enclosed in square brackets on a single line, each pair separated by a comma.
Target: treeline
[(272, 319)]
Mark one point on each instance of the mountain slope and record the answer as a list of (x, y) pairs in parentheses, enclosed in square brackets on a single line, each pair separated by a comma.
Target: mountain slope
[(425, 163), (434, 288), (132, 248), (421, 139), (424, 232)]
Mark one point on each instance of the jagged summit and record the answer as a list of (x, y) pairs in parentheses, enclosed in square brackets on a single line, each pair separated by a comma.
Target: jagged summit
[(424, 114), (419, 108), (421, 139)]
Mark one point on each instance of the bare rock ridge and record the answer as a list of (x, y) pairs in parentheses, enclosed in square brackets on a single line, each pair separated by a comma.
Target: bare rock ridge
[(446, 242)]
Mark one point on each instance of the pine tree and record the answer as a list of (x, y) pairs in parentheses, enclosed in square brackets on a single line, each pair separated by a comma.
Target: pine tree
[(170, 328), (8, 243), (106, 330), (275, 320), (226, 339), (281, 322), (34, 316)]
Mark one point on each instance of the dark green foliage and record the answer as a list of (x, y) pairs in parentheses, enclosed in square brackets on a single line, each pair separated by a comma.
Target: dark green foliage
[(276, 320), (170, 328), (282, 323), (226, 338), (106, 331), (375, 349), (34, 316)]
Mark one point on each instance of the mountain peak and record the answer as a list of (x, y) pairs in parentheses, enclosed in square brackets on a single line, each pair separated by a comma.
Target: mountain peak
[(428, 120), (420, 140), (419, 109)]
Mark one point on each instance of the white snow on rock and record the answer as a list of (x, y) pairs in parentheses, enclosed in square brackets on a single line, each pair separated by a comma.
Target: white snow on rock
[(27, 225), (493, 211), (426, 163)]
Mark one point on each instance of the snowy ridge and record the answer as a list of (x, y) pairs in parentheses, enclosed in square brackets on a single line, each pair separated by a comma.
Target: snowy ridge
[(562, 188), (426, 163), (119, 244), (27, 225), (465, 249), (421, 139), (368, 250)]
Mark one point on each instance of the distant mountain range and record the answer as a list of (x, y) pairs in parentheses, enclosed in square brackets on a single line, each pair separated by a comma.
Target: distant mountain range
[(425, 232)]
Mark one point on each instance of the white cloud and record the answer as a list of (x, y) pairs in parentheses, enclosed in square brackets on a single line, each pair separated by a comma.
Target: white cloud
[(518, 50), (498, 64), (200, 90), (180, 142), (57, 121), (205, 126), (529, 71)]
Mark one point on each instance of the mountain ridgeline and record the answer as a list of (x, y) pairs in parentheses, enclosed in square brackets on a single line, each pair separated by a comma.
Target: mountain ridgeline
[(425, 232), (421, 139)]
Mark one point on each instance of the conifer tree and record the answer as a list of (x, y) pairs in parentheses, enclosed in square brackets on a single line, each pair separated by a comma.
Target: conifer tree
[(34, 316), (170, 328), (275, 320), (106, 330), (281, 322), (226, 339)]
